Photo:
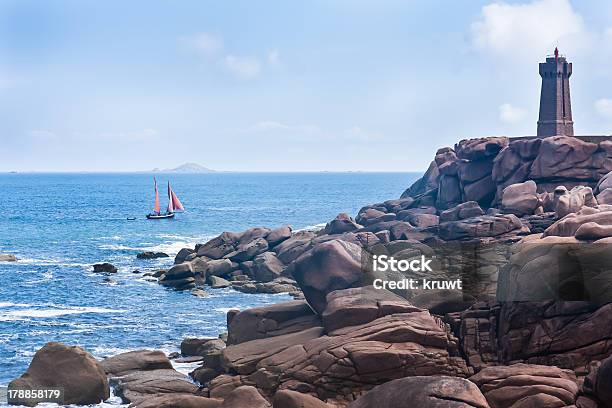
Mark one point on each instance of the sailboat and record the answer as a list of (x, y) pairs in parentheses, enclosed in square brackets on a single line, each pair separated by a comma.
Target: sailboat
[(174, 204)]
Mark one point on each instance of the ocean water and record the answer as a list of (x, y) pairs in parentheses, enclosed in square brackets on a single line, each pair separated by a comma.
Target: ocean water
[(59, 225)]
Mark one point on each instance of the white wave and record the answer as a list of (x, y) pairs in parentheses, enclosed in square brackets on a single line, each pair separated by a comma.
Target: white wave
[(224, 310), (314, 228), (45, 313), (11, 304), (103, 352)]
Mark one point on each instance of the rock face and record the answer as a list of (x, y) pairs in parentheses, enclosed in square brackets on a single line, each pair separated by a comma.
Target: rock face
[(327, 267), (430, 392), (345, 357), (180, 277), (460, 174), (527, 385), (341, 224), (483, 226), (71, 368)]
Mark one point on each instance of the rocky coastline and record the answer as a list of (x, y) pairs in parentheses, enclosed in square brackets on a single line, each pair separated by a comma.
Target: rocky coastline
[(526, 223)]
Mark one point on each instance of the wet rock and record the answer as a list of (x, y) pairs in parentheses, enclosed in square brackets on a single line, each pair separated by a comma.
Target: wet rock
[(201, 347), (182, 255), (139, 360), (140, 385), (8, 258), (204, 374), (152, 255), (527, 385), (420, 391), (327, 267), (74, 370), (216, 282), (104, 268)]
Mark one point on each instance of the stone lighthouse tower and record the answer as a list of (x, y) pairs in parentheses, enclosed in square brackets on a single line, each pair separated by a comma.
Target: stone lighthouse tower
[(555, 106)]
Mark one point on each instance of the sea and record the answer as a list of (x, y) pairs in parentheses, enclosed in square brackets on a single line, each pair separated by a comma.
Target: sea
[(59, 225)]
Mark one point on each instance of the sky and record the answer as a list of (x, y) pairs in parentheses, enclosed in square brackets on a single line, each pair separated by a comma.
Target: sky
[(320, 85)]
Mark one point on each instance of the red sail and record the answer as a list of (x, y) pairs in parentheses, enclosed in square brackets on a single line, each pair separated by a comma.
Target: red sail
[(170, 204), (176, 203), (157, 209)]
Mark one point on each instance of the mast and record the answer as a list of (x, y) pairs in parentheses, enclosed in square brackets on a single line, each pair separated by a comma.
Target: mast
[(157, 208), (170, 203)]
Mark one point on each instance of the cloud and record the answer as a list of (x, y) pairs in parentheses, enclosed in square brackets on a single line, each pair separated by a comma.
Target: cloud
[(530, 30), (604, 107), (511, 114), (243, 67), (204, 43)]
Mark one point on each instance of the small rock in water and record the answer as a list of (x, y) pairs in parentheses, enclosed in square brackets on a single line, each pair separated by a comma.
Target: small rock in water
[(8, 258), (173, 355), (151, 255), (217, 282), (198, 292), (104, 268), (135, 271)]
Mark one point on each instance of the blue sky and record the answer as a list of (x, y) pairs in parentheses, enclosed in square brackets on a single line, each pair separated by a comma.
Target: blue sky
[(284, 86)]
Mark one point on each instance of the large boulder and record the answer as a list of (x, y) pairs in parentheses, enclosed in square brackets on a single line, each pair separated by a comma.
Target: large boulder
[(104, 268), (278, 235), (527, 385), (567, 202), (565, 157), (180, 277), (140, 385), (72, 369), (293, 399), (462, 211), (425, 392), (177, 401), (138, 360), (327, 267), (245, 397), (248, 250), (483, 226), (218, 247), (355, 306), (480, 148), (290, 249), (269, 321), (183, 254), (521, 198), (8, 258), (193, 346), (569, 225), (346, 361), (599, 382), (605, 196), (341, 224), (267, 267)]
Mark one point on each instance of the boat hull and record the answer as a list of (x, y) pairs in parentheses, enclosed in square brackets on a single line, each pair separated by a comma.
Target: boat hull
[(159, 216)]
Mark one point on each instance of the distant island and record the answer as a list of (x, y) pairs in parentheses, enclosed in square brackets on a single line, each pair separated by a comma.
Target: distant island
[(186, 168)]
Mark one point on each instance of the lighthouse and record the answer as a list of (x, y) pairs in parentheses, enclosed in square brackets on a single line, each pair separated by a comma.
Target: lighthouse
[(555, 105)]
